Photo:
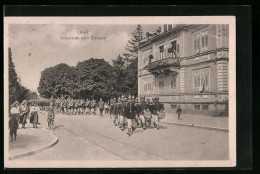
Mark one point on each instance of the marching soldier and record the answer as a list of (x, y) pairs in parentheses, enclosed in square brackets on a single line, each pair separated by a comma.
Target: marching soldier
[(101, 107), (130, 115), (112, 103), (62, 104), (57, 105), (76, 106), (82, 107), (93, 105), (66, 106), (154, 108), (87, 107), (137, 112), (71, 106), (143, 107), (117, 111), (122, 115)]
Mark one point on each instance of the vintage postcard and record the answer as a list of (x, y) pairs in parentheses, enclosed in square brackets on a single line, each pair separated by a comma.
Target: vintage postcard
[(120, 92)]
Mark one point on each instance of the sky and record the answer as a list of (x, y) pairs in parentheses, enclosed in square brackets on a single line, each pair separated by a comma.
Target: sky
[(39, 46)]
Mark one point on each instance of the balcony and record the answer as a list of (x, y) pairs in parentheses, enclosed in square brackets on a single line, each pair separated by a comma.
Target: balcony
[(164, 66)]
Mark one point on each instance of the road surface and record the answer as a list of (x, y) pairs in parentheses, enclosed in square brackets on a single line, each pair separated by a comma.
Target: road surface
[(92, 137)]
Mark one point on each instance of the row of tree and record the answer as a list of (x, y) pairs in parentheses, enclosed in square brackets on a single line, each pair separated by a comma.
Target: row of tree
[(17, 92), (95, 78)]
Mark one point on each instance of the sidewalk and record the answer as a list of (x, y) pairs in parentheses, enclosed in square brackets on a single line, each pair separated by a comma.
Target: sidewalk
[(30, 141), (201, 121)]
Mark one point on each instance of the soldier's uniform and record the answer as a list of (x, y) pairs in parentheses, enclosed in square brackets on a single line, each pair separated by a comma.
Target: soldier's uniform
[(142, 107), (81, 106), (71, 106), (62, 104), (130, 115), (76, 106), (101, 106), (112, 103), (93, 106), (117, 111), (87, 107), (122, 115), (66, 106), (154, 108)]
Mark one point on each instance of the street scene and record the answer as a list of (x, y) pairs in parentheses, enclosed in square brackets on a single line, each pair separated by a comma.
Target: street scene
[(90, 137), (117, 92)]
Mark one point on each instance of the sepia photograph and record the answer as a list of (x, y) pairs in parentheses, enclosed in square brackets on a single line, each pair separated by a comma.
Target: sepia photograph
[(119, 92)]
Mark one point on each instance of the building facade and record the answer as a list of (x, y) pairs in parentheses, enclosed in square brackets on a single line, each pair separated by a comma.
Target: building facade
[(186, 65)]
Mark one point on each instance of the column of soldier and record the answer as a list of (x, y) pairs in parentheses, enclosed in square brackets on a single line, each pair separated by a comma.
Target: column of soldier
[(126, 111), (72, 106), (129, 112)]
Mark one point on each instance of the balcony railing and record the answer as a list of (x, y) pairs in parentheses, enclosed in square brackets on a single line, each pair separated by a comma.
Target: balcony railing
[(163, 65)]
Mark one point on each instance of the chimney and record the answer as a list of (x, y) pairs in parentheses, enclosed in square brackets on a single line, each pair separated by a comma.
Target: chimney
[(164, 28), (169, 27)]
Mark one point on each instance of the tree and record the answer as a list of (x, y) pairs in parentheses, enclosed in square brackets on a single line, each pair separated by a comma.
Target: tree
[(57, 80), (17, 92), (133, 43), (14, 86), (96, 79), (131, 61), (120, 67)]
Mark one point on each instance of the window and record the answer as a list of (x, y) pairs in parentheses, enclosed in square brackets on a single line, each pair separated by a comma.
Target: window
[(204, 41), (148, 87), (201, 80), (173, 83), (161, 52), (196, 107), (161, 84), (200, 41), (205, 107)]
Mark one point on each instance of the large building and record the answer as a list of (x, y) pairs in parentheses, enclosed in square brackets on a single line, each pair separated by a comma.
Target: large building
[(186, 65)]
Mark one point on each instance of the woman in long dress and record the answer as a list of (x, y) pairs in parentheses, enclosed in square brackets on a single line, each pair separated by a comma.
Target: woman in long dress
[(24, 111)]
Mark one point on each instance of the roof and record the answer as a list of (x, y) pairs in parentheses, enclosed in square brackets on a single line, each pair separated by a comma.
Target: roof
[(162, 35)]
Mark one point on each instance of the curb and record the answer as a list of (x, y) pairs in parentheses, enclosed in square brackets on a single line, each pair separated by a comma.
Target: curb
[(31, 152), (198, 126)]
